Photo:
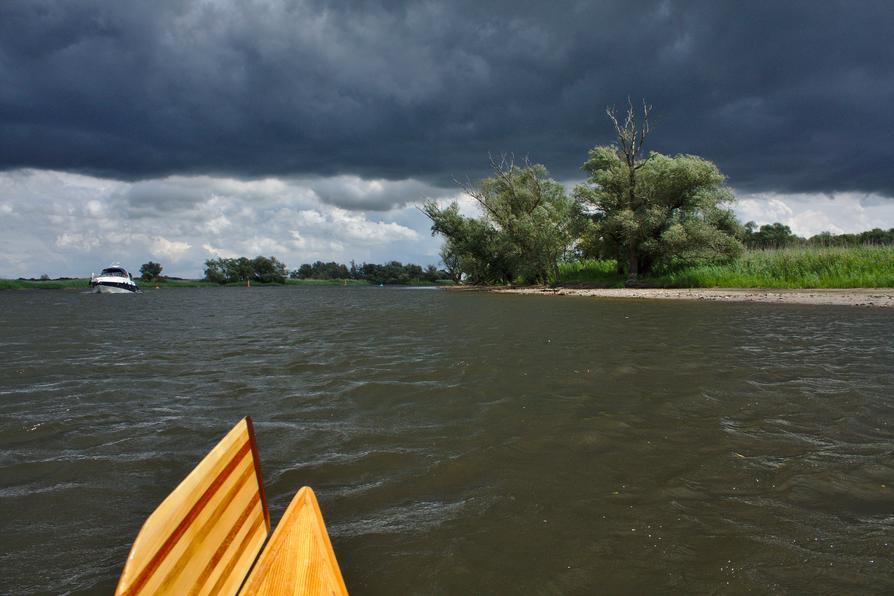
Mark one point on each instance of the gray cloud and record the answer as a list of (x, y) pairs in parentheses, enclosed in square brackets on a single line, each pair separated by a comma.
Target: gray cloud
[(70, 224), (786, 97), (151, 198), (352, 192)]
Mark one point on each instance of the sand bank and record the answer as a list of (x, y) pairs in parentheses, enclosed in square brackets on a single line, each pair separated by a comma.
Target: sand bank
[(870, 297)]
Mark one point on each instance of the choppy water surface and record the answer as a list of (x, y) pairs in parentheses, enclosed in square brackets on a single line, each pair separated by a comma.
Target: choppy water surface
[(463, 442)]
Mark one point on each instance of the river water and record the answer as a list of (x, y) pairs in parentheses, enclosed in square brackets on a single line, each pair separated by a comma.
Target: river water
[(462, 442)]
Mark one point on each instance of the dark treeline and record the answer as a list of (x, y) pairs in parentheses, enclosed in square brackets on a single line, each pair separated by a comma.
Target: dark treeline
[(777, 235), (393, 272), (242, 269), (270, 270)]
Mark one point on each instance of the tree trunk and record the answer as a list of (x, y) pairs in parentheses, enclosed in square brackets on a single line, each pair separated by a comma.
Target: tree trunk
[(632, 257), (645, 265), (632, 264)]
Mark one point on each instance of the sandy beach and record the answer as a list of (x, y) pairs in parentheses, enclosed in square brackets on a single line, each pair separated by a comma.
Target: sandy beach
[(868, 297)]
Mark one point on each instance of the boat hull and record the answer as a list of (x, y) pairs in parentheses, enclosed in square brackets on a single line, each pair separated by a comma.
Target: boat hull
[(109, 289)]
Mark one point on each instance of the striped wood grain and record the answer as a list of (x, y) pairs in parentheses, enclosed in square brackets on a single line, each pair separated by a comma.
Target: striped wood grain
[(206, 534), (299, 558)]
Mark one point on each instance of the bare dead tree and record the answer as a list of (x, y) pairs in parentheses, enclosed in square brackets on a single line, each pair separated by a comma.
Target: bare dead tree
[(631, 138), (631, 135)]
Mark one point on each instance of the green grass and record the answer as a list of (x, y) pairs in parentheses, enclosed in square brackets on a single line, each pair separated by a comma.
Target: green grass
[(591, 272), (174, 283), (361, 282), (53, 284), (326, 282), (84, 284), (200, 283), (833, 267), (856, 267)]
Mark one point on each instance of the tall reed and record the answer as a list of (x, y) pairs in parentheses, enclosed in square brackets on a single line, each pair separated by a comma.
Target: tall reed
[(869, 266), (832, 267), (596, 272)]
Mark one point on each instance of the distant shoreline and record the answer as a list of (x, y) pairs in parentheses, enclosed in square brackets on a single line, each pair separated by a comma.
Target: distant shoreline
[(867, 297), (83, 284)]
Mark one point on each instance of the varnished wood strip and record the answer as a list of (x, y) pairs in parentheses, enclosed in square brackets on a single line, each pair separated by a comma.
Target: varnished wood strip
[(166, 516), (198, 537), (243, 565), (299, 558), (187, 520), (224, 545), (257, 459), (258, 522)]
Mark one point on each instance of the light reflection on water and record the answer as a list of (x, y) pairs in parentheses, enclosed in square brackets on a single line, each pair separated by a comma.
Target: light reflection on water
[(463, 442)]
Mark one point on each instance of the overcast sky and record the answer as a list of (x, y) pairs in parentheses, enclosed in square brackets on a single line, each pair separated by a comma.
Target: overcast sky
[(178, 130)]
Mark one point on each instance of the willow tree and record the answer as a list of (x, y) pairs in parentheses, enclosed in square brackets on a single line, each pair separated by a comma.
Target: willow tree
[(526, 225), (655, 210), (150, 271)]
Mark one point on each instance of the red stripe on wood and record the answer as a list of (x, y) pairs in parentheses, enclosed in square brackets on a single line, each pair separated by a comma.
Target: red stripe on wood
[(207, 527), (222, 549), (184, 524), (257, 458), (235, 559)]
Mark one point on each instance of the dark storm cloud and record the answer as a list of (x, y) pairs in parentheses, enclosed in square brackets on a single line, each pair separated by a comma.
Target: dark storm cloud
[(784, 96)]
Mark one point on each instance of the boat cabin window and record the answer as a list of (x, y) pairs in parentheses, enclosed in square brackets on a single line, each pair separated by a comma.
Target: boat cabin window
[(115, 272)]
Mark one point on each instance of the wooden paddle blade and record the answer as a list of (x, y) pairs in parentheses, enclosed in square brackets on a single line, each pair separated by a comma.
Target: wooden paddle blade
[(206, 534), (299, 558)]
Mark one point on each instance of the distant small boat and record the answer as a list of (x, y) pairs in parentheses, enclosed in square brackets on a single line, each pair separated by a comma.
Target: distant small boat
[(113, 280)]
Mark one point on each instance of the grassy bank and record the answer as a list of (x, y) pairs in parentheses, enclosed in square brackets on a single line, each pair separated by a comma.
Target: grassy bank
[(84, 284), (833, 267), (174, 283), (52, 284), (327, 282), (591, 272)]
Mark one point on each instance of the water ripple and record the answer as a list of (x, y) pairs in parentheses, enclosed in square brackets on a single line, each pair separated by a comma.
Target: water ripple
[(463, 442)]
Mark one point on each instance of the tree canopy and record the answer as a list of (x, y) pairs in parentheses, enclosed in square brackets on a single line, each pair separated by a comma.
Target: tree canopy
[(656, 210), (778, 235), (525, 228), (260, 269), (150, 271), (775, 235), (393, 272), (875, 236)]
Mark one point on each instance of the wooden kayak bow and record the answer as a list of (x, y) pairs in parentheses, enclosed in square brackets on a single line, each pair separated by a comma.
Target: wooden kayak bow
[(207, 535)]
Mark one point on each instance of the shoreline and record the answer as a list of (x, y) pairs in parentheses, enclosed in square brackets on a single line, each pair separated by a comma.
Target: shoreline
[(84, 285), (865, 297)]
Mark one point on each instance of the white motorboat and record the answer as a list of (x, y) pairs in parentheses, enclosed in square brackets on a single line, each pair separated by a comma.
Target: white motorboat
[(113, 280)]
